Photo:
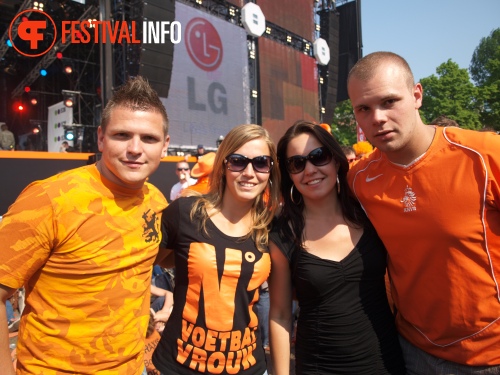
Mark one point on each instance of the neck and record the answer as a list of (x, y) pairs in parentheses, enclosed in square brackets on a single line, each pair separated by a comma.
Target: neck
[(324, 208), (421, 139)]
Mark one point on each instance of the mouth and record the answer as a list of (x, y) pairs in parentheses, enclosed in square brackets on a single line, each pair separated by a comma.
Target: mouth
[(384, 134), (133, 164), (247, 184), (314, 182)]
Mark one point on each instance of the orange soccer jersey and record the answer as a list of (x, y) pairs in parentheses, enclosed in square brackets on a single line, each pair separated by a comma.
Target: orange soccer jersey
[(440, 221), (83, 248)]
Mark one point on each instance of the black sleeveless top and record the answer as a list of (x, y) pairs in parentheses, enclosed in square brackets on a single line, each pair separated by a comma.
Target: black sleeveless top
[(345, 325)]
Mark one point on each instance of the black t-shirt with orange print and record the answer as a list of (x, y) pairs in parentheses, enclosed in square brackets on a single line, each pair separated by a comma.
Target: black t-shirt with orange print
[(213, 328)]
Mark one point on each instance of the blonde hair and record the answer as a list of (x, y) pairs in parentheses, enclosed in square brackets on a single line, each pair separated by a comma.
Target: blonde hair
[(264, 206)]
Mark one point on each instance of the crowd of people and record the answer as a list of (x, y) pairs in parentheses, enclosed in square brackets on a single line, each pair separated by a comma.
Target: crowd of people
[(391, 247)]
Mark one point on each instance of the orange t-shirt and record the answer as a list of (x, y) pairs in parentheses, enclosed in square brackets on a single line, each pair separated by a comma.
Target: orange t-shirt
[(439, 219), (83, 248), (151, 344)]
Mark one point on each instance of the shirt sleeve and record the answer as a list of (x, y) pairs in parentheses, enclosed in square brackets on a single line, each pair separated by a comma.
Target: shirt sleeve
[(286, 247), (26, 236)]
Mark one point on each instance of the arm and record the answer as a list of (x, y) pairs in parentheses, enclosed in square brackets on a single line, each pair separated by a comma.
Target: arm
[(5, 358), (163, 314), (280, 312), (165, 258)]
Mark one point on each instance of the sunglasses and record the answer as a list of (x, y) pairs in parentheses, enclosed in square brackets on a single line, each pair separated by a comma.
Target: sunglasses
[(183, 169), (318, 157), (237, 163)]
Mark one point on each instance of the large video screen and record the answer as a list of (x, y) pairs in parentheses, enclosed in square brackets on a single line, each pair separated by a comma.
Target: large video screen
[(296, 16), (209, 90), (288, 87)]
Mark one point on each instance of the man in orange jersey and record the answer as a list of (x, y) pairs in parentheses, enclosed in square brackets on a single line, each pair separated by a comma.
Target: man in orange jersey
[(83, 243), (433, 194)]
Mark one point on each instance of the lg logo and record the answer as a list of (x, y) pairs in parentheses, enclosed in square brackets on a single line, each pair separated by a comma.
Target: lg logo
[(39, 32), (203, 44)]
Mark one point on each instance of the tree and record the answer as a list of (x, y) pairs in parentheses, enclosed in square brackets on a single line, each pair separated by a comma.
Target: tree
[(485, 71), (344, 124), (451, 93)]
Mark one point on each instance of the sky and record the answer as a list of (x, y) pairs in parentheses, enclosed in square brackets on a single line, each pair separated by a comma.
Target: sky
[(428, 33)]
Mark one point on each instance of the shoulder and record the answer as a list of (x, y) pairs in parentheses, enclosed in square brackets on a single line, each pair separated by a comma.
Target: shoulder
[(285, 245), (370, 163), (181, 205), (482, 141), (155, 197)]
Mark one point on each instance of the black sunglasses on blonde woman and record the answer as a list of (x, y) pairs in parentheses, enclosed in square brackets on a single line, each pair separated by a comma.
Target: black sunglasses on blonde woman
[(237, 163)]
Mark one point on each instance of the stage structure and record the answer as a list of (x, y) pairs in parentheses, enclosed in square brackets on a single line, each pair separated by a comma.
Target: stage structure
[(269, 62)]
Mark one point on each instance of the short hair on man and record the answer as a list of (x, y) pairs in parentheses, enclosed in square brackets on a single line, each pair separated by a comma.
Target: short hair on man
[(366, 68), (137, 95)]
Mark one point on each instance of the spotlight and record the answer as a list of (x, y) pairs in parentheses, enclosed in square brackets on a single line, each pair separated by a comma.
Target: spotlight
[(34, 101), (43, 72), (69, 102), (69, 134), (69, 97), (68, 66)]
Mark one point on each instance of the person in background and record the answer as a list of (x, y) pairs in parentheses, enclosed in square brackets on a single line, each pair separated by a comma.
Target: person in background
[(7, 139), (65, 147), (323, 245), (444, 121), (433, 195), (349, 153), (219, 242), (362, 148), (200, 151), (153, 336), (262, 306), (183, 173), (83, 243), (201, 171)]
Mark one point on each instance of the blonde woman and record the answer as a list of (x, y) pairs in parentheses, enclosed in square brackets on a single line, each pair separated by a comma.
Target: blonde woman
[(219, 241)]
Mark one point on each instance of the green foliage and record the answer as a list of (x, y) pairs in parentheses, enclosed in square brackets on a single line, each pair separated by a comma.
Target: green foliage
[(485, 71), (344, 124), (451, 93)]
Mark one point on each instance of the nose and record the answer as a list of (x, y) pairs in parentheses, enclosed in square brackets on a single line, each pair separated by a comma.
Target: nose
[(309, 168), (134, 146), (379, 116), (248, 170)]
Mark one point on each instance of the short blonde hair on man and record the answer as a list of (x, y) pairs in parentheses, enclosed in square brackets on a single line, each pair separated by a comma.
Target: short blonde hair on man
[(366, 68)]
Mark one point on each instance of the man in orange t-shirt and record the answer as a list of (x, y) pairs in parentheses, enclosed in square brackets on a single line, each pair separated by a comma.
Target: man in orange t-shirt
[(433, 194), (83, 243)]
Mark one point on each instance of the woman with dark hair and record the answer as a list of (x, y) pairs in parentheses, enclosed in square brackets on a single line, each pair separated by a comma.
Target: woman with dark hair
[(324, 247), (220, 242)]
